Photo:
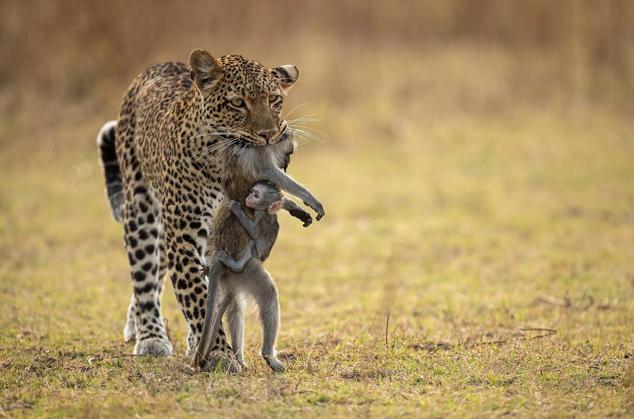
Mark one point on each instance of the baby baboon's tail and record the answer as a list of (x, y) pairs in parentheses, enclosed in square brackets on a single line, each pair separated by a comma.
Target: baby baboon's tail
[(111, 169)]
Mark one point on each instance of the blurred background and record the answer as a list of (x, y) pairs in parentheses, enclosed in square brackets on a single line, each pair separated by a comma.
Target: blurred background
[(475, 157), (424, 58), (460, 134)]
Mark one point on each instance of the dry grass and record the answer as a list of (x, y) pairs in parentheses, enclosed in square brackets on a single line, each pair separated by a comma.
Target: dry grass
[(465, 235), (487, 214)]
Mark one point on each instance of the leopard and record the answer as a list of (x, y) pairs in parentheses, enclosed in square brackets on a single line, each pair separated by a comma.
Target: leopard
[(163, 160)]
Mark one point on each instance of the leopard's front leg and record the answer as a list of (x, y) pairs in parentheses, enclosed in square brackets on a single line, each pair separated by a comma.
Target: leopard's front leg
[(134, 309), (186, 240), (141, 228)]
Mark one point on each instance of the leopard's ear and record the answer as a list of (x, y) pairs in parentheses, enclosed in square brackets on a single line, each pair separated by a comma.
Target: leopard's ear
[(286, 75), (206, 71)]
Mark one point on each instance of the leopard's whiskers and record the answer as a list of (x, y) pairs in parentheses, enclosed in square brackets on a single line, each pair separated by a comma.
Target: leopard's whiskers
[(209, 149), (306, 118), (217, 147), (301, 105), (213, 134), (222, 152), (310, 130), (303, 135)]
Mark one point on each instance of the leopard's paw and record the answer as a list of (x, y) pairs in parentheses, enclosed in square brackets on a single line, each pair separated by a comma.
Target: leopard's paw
[(242, 362), (129, 332), (154, 346), (219, 360)]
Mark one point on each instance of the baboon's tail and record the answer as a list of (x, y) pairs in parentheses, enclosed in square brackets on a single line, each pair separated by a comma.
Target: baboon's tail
[(111, 169)]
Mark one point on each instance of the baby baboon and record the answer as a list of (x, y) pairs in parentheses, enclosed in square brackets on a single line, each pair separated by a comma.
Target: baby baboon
[(265, 199)]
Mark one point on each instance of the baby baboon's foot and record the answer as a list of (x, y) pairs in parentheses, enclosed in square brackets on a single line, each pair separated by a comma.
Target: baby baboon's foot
[(153, 346), (275, 364), (222, 361)]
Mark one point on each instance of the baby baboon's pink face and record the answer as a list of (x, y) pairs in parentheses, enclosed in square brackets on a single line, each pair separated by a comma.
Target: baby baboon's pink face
[(262, 197), (254, 199)]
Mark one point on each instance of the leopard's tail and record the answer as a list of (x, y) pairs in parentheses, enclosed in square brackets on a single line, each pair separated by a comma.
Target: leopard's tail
[(111, 169)]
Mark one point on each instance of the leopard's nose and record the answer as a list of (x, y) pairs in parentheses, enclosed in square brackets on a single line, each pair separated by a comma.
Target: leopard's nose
[(267, 134)]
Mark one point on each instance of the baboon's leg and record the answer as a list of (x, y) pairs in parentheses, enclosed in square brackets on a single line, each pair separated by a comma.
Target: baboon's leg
[(235, 316), (259, 284)]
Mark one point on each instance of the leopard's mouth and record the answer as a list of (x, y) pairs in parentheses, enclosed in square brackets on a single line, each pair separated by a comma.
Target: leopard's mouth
[(249, 141), (282, 134)]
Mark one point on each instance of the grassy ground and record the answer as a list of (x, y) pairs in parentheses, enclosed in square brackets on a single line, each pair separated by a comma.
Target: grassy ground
[(468, 266)]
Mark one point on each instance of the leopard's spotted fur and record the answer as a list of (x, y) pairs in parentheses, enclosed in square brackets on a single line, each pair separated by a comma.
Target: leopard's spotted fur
[(174, 124)]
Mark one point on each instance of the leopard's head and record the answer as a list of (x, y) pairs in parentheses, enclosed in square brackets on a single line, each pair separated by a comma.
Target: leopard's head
[(242, 99)]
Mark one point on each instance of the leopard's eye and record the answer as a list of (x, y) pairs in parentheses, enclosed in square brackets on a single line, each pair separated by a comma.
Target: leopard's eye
[(237, 102), (275, 101)]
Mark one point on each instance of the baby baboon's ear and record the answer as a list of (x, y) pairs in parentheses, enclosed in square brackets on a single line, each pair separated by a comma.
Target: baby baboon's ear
[(206, 71), (286, 75), (275, 207)]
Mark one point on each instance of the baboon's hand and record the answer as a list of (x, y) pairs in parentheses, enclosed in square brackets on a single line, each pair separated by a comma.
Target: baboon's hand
[(317, 207), (302, 215)]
